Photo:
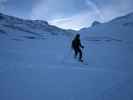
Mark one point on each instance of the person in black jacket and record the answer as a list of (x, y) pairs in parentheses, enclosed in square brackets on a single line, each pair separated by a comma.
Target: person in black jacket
[(76, 46)]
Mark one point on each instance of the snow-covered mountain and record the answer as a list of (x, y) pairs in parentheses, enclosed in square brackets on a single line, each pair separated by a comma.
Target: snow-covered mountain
[(17, 28), (120, 28), (37, 63), (95, 23)]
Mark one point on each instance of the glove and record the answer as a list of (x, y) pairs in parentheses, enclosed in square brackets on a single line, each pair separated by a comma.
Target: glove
[(82, 47)]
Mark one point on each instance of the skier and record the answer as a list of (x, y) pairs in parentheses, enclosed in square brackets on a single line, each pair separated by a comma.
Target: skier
[(76, 46)]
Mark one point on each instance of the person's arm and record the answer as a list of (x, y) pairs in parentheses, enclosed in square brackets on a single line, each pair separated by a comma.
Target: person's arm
[(81, 44)]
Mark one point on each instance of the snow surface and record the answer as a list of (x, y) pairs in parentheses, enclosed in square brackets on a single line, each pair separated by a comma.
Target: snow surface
[(43, 68)]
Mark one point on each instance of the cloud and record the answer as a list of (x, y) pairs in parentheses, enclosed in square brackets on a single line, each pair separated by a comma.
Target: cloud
[(73, 22), (50, 9), (2, 2), (114, 8), (95, 8), (67, 17), (81, 20), (76, 14)]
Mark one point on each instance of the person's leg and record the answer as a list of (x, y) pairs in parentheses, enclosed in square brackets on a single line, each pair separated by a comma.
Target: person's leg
[(80, 54), (75, 52)]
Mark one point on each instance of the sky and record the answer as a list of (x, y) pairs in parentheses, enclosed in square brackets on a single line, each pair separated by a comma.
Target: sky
[(67, 14)]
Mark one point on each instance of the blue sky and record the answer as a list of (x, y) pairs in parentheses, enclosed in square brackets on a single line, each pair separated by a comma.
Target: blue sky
[(68, 14)]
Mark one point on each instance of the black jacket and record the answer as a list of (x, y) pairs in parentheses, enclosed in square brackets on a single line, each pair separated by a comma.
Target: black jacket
[(76, 43)]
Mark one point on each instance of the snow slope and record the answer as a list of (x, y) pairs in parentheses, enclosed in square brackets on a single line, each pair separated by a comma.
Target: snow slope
[(120, 28), (17, 29), (44, 68)]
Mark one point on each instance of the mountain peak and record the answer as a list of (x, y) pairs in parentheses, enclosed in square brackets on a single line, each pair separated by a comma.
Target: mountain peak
[(41, 22), (95, 23)]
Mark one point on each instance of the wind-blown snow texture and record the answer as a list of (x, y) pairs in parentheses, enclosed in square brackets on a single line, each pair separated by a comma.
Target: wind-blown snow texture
[(36, 61)]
